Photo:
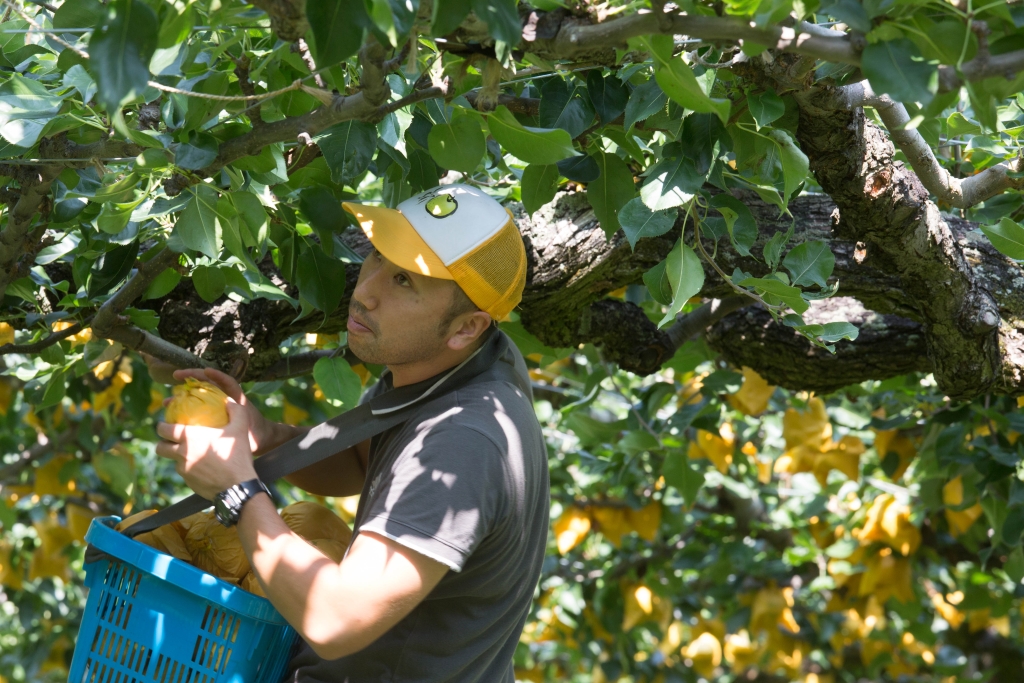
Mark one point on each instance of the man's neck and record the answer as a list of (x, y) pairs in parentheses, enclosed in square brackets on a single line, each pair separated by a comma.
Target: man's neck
[(411, 373)]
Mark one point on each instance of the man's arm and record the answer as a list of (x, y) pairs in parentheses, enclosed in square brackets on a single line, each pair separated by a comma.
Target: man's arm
[(337, 609), (340, 475)]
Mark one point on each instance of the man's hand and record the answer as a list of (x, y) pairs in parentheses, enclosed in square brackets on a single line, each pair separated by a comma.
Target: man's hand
[(210, 459), (263, 434)]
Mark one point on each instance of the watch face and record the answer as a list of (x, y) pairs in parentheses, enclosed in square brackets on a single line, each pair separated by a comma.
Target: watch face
[(221, 511)]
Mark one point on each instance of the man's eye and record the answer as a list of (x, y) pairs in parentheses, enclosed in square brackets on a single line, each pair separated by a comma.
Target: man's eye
[(402, 279), (377, 255)]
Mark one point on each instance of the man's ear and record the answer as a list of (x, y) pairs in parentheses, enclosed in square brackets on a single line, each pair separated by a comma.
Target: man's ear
[(470, 329)]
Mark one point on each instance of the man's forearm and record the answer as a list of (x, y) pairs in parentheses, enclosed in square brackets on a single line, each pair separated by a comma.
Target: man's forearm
[(277, 434)]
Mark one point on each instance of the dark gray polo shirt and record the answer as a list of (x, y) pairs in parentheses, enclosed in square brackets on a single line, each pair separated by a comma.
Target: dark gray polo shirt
[(465, 482)]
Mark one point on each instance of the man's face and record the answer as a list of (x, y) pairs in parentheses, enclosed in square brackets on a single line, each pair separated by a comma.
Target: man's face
[(394, 314)]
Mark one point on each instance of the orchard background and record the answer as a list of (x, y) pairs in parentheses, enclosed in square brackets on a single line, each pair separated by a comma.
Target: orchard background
[(774, 309)]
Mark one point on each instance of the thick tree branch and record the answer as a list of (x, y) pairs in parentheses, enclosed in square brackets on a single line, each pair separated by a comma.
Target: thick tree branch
[(691, 324), (298, 364), (287, 18), (960, 193)]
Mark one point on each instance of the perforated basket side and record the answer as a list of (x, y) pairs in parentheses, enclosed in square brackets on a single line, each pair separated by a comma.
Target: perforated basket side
[(142, 628)]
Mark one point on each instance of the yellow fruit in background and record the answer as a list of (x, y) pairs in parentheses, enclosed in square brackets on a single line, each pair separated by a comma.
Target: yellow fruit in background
[(809, 427), (571, 528), (293, 414), (10, 577), (111, 396), (646, 520), (887, 575), (888, 521), (215, 548), (6, 395), (6, 334), (48, 560), (843, 456), (705, 652), (752, 398), (959, 520), (740, 652), (715, 447), (771, 609), (197, 403), (77, 339), (313, 521), (692, 384), (47, 482), (250, 583), (612, 522), (642, 604), (333, 549), (347, 508), (79, 518), (892, 440), (156, 400), (947, 611)]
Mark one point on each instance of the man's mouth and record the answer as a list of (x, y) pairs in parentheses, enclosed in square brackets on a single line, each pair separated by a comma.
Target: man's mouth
[(355, 326)]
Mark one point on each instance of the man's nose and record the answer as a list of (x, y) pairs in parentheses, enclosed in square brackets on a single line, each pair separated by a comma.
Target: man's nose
[(365, 291)]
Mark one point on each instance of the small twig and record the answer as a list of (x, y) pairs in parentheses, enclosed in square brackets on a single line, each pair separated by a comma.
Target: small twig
[(693, 323), (50, 340), (298, 364), (307, 58)]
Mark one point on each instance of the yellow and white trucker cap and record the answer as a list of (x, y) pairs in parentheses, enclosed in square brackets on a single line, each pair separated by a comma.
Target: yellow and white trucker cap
[(454, 232)]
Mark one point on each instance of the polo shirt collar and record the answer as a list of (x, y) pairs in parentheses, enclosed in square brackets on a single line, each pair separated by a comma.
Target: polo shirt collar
[(392, 399)]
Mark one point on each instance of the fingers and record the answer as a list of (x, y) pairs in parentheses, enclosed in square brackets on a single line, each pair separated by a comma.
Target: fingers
[(228, 384)]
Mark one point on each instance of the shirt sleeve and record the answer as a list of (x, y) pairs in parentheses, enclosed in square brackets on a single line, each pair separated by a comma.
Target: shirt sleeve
[(445, 493)]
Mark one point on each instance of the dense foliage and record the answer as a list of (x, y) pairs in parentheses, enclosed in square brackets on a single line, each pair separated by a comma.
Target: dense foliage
[(705, 524)]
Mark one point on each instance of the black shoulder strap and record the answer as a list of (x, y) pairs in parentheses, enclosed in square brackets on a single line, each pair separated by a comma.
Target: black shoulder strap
[(351, 427)]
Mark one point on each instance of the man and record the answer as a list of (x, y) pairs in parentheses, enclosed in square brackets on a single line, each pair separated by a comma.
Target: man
[(453, 515)]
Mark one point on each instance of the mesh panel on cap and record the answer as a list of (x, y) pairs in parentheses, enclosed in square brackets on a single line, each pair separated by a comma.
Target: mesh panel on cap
[(494, 275)]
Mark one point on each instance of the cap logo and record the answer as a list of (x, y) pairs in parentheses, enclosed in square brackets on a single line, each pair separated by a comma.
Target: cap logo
[(441, 206)]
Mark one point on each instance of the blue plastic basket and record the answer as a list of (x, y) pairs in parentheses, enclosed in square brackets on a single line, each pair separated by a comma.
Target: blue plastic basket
[(151, 618)]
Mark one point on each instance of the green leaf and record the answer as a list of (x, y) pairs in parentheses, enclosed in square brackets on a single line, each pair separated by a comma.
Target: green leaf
[(114, 218), (502, 19), (645, 100), (658, 284), (348, 148), (446, 16), (680, 473), (55, 389), (532, 145), (320, 278), (25, 109), (1007, 236), (896, 68), (423, 172), (582, 169), (459, 145), (608, 94), (337, 27), (162, 284), (539, 185), (809, 263), (144, 318), (562, 107), (957, 124), (79, 79), (198, 225), (795, 165), (638, 221), (1014, 565), (199, 152), (112, 268), (835, 331), (121, 191), (671, 182), (338, 380), (209, 282), (610, 192), (773, 248), (119, 52), (765, 107), (686, 277), (777, 291), (322, 211), (738, 221), (79, 14), (677, 80)]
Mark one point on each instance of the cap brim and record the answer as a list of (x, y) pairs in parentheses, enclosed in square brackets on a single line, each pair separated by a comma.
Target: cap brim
[(394, 237)]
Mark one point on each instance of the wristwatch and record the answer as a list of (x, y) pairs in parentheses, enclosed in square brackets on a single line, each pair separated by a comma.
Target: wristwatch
[(227, 505)]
